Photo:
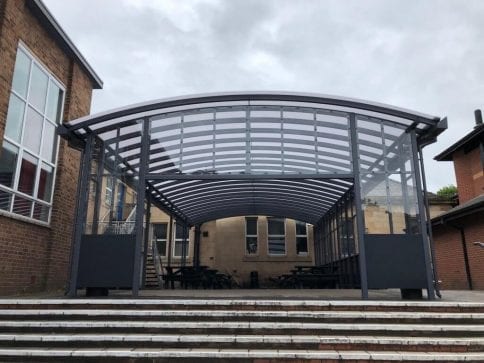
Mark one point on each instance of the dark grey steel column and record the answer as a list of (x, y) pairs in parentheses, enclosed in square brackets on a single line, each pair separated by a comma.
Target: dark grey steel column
[(429, 225), (99, 182), (360, 225), (81, 212), (146, 238), (196, 246), (140, 204), (170, 240), (423, 222)]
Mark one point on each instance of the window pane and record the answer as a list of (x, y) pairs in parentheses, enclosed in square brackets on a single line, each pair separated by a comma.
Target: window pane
[(8, 164), (161, 246), (5, 199), (178, 248), (45, 182), (33, 130), (300, 228), (276, 226), (179, 231), (251, 245), (54, 102), (15, 118), (27, 174), (301, 245), (22, 206), (49, 143), (41, 212), (277, 245), (38, 88), (21, 74), (251, 226), (160, 230)]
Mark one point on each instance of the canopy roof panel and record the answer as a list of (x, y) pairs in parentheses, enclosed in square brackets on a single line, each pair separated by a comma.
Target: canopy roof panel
[(300, 143)]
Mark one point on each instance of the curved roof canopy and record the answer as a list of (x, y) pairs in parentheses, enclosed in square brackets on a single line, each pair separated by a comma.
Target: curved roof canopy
[(219, 155)]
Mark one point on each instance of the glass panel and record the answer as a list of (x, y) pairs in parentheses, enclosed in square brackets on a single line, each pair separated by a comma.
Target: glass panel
[(21, 74), (22, 206), (15, 118), (277, 245), (178, 248), (300, 228), (45, 182), (5, 199), (33, 130), (251, 245), (179, 231), (161, 246), (38, 88), (374, 203), (8, 164), (54, 103), (251, 226), (41, 212), (302, 245), (276, 226), (49, 143), (27, 174)]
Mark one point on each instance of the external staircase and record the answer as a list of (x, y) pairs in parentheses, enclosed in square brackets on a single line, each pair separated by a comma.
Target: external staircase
[(239, 330)]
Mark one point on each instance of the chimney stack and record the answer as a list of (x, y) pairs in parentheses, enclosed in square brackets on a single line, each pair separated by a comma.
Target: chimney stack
[(478, 116)]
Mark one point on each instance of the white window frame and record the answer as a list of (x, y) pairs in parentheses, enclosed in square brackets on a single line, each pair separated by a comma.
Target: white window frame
[(175, 240), (302, 236), (256, 235), (21, 149), (276, 235)]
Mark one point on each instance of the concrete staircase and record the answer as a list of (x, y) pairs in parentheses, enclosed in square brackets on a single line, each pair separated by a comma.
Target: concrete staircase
[(151, 276), (222, 330)]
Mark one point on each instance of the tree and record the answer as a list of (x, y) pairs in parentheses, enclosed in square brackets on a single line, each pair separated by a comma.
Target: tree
[(447, 192)]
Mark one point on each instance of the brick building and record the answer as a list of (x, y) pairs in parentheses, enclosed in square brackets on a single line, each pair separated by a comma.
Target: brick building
[(459, 232), (44, 81)]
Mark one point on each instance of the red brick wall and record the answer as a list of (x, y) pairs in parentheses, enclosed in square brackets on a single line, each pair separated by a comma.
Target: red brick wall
[(450, 256), (469, 174), (35, 257)]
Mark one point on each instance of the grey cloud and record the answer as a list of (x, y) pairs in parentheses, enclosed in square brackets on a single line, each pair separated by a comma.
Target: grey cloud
[(422, 55)]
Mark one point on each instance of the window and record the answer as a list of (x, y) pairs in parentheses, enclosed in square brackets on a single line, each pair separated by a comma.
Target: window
[(160, 232), (108, 196), (29, 149), (251, 235), (301, 238), (276, 236), (178, 251)]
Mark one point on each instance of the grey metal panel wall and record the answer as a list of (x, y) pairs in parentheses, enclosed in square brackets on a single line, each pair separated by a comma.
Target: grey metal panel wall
[(106, 261), (395, 261)]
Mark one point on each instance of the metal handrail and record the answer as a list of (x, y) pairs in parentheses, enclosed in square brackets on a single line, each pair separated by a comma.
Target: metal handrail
[(157, 262)]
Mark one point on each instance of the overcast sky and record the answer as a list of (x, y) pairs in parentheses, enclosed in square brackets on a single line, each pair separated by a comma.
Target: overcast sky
[(422, 55)]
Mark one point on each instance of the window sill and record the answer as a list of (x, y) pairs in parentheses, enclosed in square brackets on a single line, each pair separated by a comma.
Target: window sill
[(24, 219)]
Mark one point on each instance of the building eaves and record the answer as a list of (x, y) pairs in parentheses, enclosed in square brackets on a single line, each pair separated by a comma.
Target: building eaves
[(52, 26), (472, 206), (469, 141)]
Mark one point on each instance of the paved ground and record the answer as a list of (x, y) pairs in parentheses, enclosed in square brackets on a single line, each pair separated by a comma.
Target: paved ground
[(307, 294)]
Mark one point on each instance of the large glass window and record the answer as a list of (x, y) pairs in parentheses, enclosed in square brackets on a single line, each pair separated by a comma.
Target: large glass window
[(251, 235), (29, 149), (276, 236), (301, 238), (160, 233)]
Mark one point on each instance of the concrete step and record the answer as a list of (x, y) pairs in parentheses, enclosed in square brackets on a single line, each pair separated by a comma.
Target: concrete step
[(239, 355), (243, 304), (244, 315), (241, 327), (311, 342)]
